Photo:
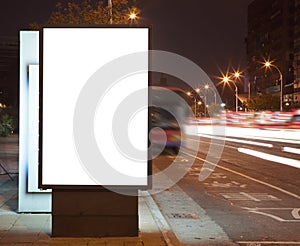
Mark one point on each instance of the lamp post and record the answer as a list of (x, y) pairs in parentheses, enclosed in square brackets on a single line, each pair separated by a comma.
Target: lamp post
[(268, 64), (132, 16), (226, 80), (110, 11), (206, 87), (195, 101), (205, 103)]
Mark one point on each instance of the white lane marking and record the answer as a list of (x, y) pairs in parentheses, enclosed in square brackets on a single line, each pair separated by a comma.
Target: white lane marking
[(240, 196), (238, 140), (276, 139), (256, 197), (270, 157), (296, 213), (246, 176), (250, 196), (212, 143), (271, 216), (268, 242), (291, 150), (251, 133)]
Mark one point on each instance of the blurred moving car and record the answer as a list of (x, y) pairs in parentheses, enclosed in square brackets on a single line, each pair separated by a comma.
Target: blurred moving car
[(171, 138), (295, 121), (168, 113)]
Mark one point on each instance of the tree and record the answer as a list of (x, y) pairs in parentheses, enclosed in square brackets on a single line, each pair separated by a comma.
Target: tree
[(90, 12), (264, 102), (215, 110), (6, 125)]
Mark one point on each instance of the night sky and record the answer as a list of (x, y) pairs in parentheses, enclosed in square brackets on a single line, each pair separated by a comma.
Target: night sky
[(210, 33)]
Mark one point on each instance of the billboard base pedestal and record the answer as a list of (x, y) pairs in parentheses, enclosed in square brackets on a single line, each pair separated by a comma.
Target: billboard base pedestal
[(94, 213)]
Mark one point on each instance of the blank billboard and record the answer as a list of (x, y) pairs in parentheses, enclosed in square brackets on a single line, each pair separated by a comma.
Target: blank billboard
[(87, 114)]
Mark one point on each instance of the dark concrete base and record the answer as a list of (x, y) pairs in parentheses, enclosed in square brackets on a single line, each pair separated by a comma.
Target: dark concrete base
[(94, 213)]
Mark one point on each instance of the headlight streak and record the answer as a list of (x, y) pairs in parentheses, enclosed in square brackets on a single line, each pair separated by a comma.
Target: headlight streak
[(270, 157)]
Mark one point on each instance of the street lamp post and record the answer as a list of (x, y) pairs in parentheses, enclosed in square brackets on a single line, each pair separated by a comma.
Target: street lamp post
[(236, 98), (195, 101), (199, 103), (236, 75), (208, 87), (132, 16), (198, 90), (268, 64), (110, 11), (226, 80)]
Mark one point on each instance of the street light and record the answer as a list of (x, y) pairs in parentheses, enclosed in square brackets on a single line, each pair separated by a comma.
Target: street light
[(195, 100), (268, 64), (226, 80), (132, 16), (206, 87), (237, 74), (205, 103), (110, 11)]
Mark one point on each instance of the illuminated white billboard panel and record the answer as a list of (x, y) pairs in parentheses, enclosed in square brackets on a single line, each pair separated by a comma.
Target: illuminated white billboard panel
[(72, 59)]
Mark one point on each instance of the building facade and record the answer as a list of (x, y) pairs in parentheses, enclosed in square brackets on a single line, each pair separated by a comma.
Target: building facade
[(271, 37), (296, 94)]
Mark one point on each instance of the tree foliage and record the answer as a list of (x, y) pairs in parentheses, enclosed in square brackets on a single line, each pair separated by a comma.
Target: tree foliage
[(6, 125), (264, 102), (90, 12)]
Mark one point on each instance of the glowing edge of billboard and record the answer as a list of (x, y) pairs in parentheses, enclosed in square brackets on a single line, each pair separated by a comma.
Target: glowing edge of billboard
[(69, 57), (30, 198)]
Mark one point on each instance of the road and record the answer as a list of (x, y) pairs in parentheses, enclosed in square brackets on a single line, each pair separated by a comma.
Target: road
[(252, 193)]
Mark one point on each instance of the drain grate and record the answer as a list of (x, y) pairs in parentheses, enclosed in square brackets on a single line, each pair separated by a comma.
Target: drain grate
[(183, 216)]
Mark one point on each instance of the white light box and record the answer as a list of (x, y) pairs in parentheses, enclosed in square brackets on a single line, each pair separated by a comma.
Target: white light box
[(86, 103)]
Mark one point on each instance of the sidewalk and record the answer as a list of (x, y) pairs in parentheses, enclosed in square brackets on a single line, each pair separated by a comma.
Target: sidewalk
[(35, 229), (177, 214)]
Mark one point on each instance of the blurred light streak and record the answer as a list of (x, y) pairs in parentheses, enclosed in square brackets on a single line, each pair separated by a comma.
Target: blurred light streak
[(270, 157), (291, 150)]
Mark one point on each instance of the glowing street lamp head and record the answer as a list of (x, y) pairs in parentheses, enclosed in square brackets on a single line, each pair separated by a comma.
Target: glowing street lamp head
[(267, 64), (132, 16), (206, 87), (197, 90), (189, 93), (237, 74), (225, 79)]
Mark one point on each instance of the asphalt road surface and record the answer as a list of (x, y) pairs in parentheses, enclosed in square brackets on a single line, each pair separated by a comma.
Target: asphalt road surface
[(253, 190)]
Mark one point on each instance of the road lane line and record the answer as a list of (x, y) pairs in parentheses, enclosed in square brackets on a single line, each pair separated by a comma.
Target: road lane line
[(251, 133), (250, 197), (212, 143), (271, 216), (238, 140), (296, 213), (246, 176), (291, 150), (275, 217), (270, 157), (268, 242)]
